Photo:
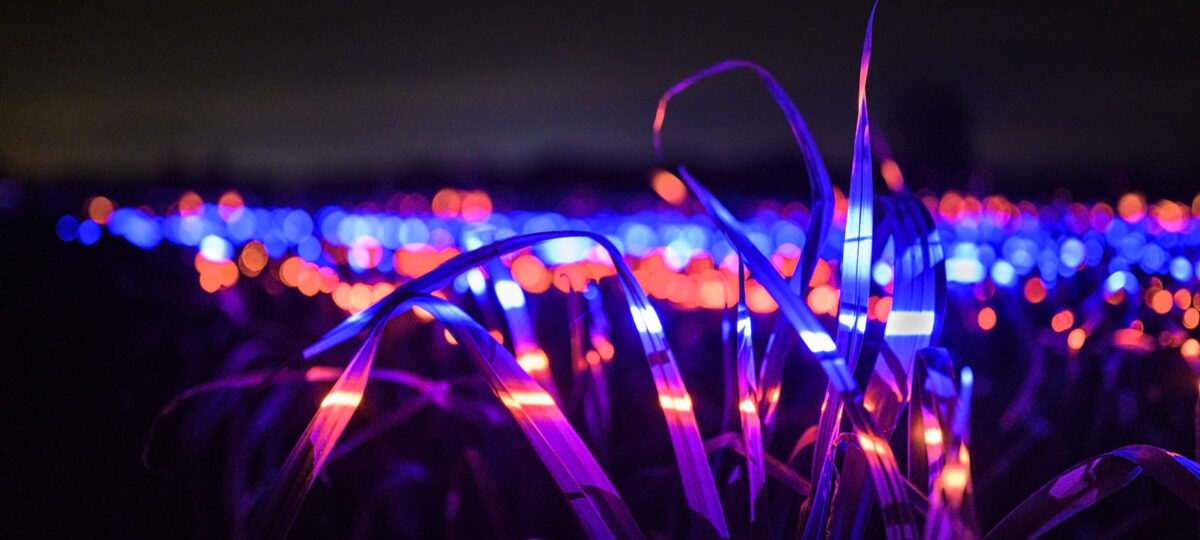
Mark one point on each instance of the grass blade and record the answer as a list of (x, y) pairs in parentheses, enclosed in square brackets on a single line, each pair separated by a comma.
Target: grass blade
[(1094, 479), (277, 509)]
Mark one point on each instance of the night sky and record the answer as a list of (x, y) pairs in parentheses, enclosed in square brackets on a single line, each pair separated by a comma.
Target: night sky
[(307, 89)]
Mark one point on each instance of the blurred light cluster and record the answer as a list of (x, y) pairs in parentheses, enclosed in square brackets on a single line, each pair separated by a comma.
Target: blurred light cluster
[(1145, 256)]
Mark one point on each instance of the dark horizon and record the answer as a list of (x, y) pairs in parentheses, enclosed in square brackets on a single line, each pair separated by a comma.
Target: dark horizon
[(1021, 95)]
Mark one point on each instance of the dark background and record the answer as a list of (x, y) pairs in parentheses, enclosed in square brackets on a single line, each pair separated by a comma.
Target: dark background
[(1009, 96)]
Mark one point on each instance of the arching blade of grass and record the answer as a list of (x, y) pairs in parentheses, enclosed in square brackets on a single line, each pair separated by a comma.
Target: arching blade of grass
[(820, 219), (708, 518), (1091, 481)]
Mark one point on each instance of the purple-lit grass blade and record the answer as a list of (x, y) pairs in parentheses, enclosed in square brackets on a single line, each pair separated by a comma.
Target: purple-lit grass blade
[(435, 391), (747, 392), (587, 489), (821, 218), (277, 509), (1091, 481), (708, 518), (951, 501)]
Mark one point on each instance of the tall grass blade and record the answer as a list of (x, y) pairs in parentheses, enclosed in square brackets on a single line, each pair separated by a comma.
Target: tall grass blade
[(856, 276)]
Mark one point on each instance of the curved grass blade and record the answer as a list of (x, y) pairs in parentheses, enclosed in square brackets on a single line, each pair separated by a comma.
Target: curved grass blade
[(1091, 481), (699, 488), (820, 220), (885, 473)]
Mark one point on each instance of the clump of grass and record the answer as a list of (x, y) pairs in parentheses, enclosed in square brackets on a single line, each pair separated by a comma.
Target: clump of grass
[(904, 451)]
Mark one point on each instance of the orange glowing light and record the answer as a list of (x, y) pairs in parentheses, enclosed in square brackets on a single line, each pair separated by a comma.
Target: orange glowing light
[(309, 281), (593, 358), (933, 436), (1171, 216), (360, 297), (98, 208), (210, 281), (681, 404), (1132, 207), (342, 398), (529, 398), (821, 273), (449, 337), (381, 290), (758, 299), (476, 206), (951, 206), (953, 477), (570, 277), (1035, 290), (604, 347), (1161, 302), (1191, 318), (1075, 339), (668, 186), (823, 299), (230, 206), (190, 204), (534, 361), (986, 318), (447, 203), (1062, 321), (422, 314), (1116, 298), (891, 174), (289, 271), (1190, 349), (341, 296), (1183, 299), (747, 406), (253, 259), (883, 308), (712, 293), (531, 274)]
